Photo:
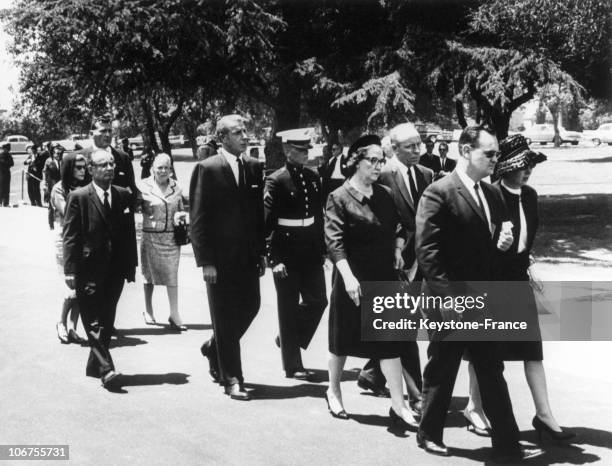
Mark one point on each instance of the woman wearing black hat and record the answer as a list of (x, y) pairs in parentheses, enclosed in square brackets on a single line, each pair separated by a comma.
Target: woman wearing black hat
[(364, 242), (512, 172)]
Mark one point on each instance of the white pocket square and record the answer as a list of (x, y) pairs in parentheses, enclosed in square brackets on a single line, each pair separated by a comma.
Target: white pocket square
[(254, 186), (127, 210)]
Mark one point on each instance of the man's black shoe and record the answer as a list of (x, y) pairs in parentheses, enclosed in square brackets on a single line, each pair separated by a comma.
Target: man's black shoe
[(435, 448), (213, 371), (236, 392), (365, 384), (520, 455), (300, 374)]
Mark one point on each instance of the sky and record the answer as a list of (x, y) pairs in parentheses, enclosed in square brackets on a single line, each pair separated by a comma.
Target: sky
[(8, 71)]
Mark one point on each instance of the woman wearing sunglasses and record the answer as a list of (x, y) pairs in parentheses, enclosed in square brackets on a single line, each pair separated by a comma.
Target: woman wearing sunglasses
[(73, 175), (364, 239)]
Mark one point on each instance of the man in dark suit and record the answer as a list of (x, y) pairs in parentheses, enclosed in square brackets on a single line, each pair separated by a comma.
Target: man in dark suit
[(458, 227), (6, 162), (331, 172), (102, 135), (407, 181), (227, 234), (441, 165), (51, 175), (294, 222), (99, 255)]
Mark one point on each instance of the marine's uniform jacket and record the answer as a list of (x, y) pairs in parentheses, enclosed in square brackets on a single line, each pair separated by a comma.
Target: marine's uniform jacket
[(292, 197)]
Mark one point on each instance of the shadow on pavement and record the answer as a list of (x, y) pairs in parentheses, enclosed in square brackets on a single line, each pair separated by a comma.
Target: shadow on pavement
[(321, 375), (605, 159), (123, 340), (276, 392), (172, 378), (199, 326)]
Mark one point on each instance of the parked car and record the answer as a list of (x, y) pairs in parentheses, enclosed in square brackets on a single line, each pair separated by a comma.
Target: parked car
[(18, 143), (545, 133), (176, 140), (601, 134)]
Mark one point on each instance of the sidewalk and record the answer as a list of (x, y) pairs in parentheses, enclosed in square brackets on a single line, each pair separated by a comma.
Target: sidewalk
[(171, 413)]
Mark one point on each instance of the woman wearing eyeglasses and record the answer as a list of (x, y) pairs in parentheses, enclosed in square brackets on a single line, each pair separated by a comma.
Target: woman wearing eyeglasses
[(161, 200), (73, 175), (364, 240)]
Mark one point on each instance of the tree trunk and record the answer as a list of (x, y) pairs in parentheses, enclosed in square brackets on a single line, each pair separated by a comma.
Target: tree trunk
[(557, 137), (460, 113), (148, 136), (287, 108)]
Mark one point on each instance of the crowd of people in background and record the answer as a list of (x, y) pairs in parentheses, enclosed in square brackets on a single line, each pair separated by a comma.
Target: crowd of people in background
[(381, 211)]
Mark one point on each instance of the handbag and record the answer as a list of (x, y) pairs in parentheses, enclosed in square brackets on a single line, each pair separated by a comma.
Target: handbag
[(181, 233)]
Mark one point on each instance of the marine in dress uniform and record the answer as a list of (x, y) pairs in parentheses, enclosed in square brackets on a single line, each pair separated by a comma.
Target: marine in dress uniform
[(294, 225)]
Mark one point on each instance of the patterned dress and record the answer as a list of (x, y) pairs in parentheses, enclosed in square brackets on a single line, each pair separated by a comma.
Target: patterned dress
[(159, 253)]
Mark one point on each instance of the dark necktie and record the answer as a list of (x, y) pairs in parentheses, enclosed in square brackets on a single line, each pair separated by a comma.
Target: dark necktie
[(107, 207), (480, 203), (240, 173), (414, 192), (442, 163)]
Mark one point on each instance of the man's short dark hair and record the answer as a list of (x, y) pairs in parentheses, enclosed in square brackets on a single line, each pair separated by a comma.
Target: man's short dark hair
[(471, 134), (104, 118), (443, 145)]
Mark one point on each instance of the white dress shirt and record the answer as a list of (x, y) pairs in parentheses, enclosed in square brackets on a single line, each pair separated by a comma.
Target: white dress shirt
[(105, 149), (233, 163), (469, 185), (337, 173), (100, 192), (405, 171), (522, 242)]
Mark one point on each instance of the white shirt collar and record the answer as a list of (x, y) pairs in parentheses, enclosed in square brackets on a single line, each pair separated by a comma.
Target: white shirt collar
[(107, 149), (100, 192)]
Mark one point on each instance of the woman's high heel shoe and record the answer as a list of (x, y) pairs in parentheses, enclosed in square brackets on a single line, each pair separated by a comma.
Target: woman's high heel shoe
[(471, 427), (400, 422), (174, 326), (148, 319), (340, 414), (540, 426)]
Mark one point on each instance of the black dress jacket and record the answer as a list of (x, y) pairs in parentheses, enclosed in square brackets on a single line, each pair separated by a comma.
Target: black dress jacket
[(97, 245)]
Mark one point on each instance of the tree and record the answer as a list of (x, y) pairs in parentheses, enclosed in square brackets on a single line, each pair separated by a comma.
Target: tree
[(514, 47), (152, 55)]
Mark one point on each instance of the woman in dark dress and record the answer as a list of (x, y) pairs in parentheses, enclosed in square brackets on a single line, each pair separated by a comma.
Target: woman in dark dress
[(364, 241), (513, 169)]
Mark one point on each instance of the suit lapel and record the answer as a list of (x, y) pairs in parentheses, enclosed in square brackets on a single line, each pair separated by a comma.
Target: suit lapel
[(402, 188), (463, 192), (96, 202), (227, 171)]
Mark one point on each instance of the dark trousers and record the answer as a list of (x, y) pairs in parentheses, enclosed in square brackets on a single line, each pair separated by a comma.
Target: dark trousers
[(411, 363), (234, 303), (298, 322), (34, 191), (98, 306), (439, 380), (5, 188)]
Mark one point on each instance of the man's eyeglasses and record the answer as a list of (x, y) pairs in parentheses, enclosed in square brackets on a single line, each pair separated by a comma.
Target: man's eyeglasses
[(104, 164), (375, 161), (79, 167)]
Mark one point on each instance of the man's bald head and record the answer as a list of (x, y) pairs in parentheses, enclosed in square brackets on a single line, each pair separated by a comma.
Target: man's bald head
[(406, 143)]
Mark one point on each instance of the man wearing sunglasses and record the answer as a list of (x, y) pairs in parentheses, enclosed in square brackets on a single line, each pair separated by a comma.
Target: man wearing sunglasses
[(458, 228)]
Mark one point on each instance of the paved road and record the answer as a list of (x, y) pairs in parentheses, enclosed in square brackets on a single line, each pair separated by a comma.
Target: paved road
[(171, 413)]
